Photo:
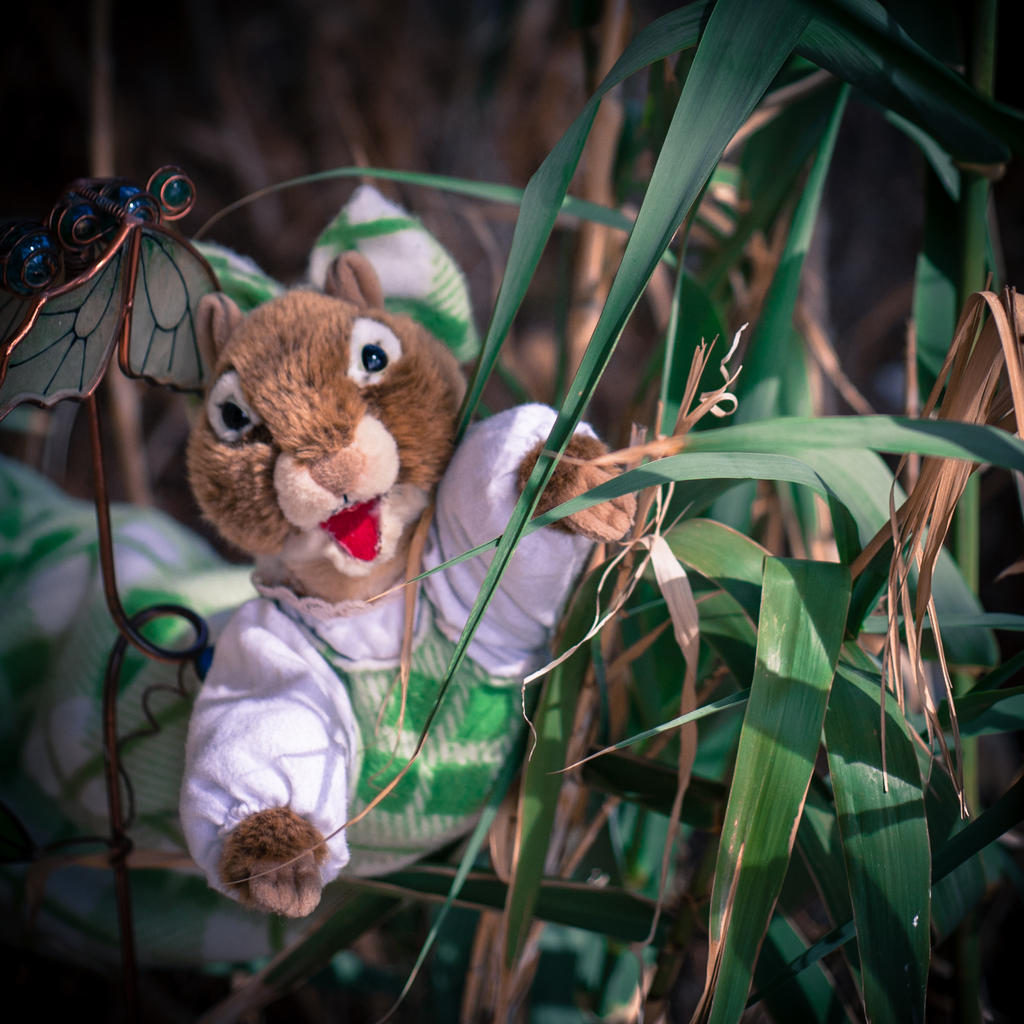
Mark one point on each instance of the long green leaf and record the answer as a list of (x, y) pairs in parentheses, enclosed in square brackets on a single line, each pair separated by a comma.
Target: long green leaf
[(963, 889), (546, 190), (819, 846), (704, 711), (774, 346), (617, 913), (861, 481), (861, 43), (894, 434), (802, 618), (773, 163), (884, 833), (777, 449), (358, 913), (774, 378), (724, 555), (936, 283), (809, 998), (541, 781), (485, 191), (734, 64), (729, 631), (1006, 813), (982, 712), (652, 784)]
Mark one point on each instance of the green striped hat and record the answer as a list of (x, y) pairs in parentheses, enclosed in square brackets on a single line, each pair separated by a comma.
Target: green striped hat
[(418, 276)]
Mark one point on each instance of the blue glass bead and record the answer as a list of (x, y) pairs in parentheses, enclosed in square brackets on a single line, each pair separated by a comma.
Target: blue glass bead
[(142, 207), (177, 193), (31, 258), (78, 225)]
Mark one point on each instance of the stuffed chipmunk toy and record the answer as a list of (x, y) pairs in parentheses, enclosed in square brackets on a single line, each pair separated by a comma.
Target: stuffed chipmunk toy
[(327, 432)]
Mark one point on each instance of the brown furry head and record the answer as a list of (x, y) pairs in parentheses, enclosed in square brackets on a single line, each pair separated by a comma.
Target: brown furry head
[(327, 426)]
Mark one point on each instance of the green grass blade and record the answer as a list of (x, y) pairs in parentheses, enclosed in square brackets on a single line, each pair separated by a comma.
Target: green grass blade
[(728, 630), (954, 896), (716, 98), (652, 784), (946, 173), (894, 434), (808, 998), (541, 782), (698, 466), (704, 711), (774, 379), (773, 163), (485, 191), (1006, 813), (935, 284), (778, 449), (803, 614), (774, 345), (884, 833), (546, 190), (1001, 674), (618, 913), (861, 43), (716, 551), (360, 912), (861, 482), (820, 848), (736, 60), (983, 712)]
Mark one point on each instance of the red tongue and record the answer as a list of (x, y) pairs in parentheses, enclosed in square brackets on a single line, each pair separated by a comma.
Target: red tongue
[(356, 529)]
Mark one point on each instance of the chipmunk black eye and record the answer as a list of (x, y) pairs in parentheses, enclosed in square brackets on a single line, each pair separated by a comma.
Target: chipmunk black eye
[(234, 417), (374, 358)]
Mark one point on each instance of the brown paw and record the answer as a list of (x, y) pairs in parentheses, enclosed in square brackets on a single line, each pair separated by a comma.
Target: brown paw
[(272, 860), (608, 521)]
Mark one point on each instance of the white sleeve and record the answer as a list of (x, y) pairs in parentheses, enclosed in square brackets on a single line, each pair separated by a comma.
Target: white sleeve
[(272, 726), (474, 502)]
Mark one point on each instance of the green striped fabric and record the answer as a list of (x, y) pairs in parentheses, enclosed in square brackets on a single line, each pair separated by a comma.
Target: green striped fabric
[(444, 789), (239, 277), (55, 637), (430, 288)]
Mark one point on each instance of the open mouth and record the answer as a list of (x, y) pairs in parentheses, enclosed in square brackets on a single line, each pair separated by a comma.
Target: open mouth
[(357, 529)]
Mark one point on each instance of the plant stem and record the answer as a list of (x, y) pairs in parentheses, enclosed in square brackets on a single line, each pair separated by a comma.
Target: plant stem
[(974, 200)]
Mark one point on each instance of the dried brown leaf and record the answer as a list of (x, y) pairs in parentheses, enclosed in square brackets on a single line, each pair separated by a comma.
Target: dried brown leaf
[(980, 382)]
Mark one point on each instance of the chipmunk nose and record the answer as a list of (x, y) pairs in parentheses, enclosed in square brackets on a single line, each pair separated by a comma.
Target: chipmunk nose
[(340, 471), (308, 492)]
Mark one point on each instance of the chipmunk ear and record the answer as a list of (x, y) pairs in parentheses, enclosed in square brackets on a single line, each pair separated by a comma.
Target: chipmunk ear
[(351, 277), (217, 316)]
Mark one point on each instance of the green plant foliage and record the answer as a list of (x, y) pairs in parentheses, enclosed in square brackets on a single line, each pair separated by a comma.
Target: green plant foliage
[(803, 614), (815, 849), (873, 841), (882, 824)]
